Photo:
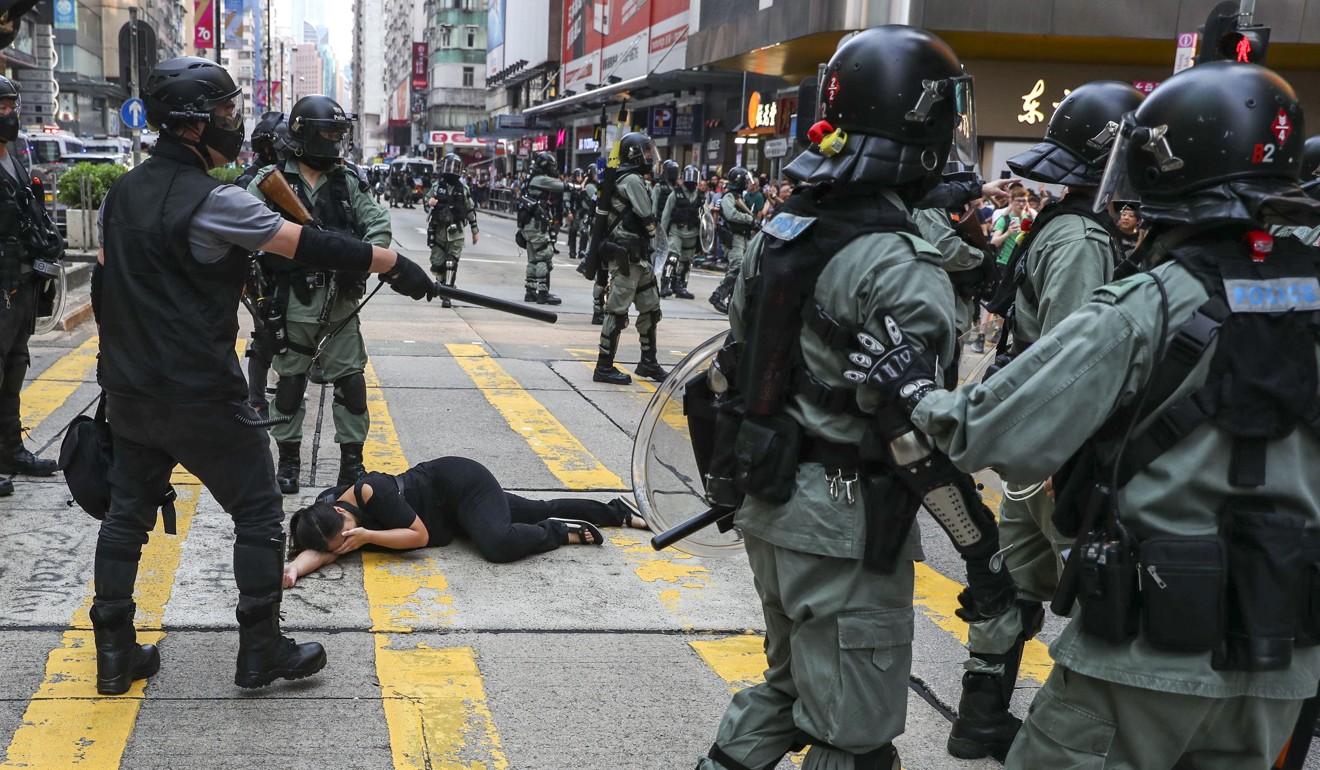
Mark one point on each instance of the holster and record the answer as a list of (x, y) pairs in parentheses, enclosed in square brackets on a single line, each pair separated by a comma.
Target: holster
[(767, 451), (351, 285), (891, 510)]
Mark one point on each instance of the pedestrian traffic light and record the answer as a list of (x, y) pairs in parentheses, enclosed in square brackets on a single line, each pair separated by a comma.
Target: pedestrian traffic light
[(1226, 38), (1247, 44)]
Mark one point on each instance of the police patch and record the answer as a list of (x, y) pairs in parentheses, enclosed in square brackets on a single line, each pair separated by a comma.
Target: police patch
[(1275, 295), (786, 226)]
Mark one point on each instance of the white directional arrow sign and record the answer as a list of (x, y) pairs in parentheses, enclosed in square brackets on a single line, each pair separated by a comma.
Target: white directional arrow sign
[(133, 114)]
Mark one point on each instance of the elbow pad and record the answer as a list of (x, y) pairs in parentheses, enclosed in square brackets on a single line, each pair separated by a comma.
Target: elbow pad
[(332, 251)]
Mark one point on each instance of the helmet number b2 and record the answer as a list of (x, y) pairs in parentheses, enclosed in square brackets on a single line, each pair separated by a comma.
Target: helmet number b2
[(1263, 153)]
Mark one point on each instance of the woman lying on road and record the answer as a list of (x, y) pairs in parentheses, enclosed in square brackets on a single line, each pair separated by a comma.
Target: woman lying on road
[(431, 503)]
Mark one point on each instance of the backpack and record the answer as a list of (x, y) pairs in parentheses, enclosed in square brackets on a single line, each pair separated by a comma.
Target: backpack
[(85, 457)]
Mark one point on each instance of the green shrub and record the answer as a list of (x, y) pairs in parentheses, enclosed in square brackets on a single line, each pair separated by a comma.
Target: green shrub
[(225, 174), (99, 175)]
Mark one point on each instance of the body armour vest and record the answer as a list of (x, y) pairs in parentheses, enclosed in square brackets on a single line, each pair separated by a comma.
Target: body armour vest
[(687, 210), (168, 322), (333, 210)]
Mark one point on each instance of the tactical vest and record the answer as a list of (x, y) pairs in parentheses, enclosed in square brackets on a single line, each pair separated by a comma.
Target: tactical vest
[(450, 205), (742, 229), (624, 216), (687, 211), (662, 197), (168, 322), (333, 210)]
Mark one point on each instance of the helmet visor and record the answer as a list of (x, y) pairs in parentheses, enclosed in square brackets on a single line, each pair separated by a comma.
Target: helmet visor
[(650, 158), (1117, 183), (691, 174), (965, 148), (327, 137), (451, 165)]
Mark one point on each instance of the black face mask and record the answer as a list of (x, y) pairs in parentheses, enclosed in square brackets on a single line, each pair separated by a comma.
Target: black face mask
[(317, 162), (9, 127), (228, 143)]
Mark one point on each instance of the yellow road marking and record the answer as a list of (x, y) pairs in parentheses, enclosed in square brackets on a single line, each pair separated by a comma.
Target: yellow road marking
[(67, 725), (434, 700), (739, 660), (937, 596), (61, 379), (562, 453)]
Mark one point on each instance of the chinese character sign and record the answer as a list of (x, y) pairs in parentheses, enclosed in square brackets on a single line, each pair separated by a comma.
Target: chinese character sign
[(1031, 114), (204, 19), (419, 70)]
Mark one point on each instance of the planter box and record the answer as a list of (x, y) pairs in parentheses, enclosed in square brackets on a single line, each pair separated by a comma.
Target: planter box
[(80, 229)]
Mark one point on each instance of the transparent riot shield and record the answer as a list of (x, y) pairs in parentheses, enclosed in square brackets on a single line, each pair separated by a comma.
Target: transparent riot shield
[(672, 449), (706, 238), (48, 323)]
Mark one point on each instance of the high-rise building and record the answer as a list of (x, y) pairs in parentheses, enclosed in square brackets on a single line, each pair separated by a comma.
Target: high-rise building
[(368, 86), (457, 66), (308, 74)]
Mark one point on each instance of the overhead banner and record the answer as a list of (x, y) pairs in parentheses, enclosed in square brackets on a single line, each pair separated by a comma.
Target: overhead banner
[(235, 30), (66, 14), (204, 21)]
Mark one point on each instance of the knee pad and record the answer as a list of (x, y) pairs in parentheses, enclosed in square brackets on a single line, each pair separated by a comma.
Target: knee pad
[(451, 261), (289, 392), (351, 393), (614, 323)]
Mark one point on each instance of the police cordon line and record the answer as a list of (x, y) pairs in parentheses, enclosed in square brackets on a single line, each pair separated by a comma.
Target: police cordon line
[(1151, 415)]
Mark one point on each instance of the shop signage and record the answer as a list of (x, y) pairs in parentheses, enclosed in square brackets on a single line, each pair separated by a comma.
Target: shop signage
[(713, 149), (540, 143), (761, 114), (776, 148), (1145, 86), (456, 138), (1031, 113), (419, 69), (661, 123), (1186, 54), (687, 123), (588, 144)]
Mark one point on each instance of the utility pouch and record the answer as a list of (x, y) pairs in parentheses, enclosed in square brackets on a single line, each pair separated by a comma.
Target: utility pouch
[(725, 236), (1265, 577), (891, 509), (351, 285), (520, 239), (1075, 490), (767, 451), (1308, 600), (1182, 592), (1108, 592)]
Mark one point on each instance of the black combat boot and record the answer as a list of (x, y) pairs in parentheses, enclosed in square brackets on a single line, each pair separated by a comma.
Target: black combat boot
[(666, 284), (120, 660), (350, 463), (606, 372), (544, 297), (264, 653), (16, 458), (529, 295), (984, 726), (680, 283), (290, 466), (650, 368)]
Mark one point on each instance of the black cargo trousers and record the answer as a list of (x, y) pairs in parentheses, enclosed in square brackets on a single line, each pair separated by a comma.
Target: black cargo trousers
[(231, 459)]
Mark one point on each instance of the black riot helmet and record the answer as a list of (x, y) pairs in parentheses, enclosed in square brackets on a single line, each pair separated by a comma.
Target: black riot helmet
[(9, 123), (691, 175), (893, 101), (590, 170), (637, 151), (192, 89), (578, 174), (669, 171), (1216, 123), (1311, 159), (266, 140), (319, 129), (451, 167), (737, 179), (1080, 135), (546, 164)]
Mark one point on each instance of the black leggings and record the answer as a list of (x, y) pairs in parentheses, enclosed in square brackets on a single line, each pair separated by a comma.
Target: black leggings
[(503, 526)]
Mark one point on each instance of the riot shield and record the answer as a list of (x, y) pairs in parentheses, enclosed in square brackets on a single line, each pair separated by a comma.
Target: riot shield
[(706, 240), (672, 450)]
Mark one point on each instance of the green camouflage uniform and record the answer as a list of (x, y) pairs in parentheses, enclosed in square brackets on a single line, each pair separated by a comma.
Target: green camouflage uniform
[(959, 256), (344, 357), (1130, 705), (539, 232), (632, 281), (682, 238), (838, 636), (447, 241)]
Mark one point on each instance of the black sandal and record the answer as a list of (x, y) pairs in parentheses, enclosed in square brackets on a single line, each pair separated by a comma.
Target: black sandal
[(628, 514), (587, 532)]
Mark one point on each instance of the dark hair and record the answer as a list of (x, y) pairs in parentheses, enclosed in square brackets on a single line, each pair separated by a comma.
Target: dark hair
[(312, 527)]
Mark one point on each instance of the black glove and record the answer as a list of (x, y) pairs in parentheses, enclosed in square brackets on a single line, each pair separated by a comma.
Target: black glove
[(989, 592), (897, 373), (410, 280)]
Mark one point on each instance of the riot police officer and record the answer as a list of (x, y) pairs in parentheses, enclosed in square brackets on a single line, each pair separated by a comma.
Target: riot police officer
[(1069, 253), (680, 219), (742, 222), (538, 210), (451, 208), (580, 203), (630, 228), (826, 483), (269, 143), (167, 294), (1181, 402), (323, 332), (661, 188), (30, 251)]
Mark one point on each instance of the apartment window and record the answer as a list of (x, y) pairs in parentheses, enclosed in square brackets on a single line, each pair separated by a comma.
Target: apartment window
[(471, 37), (446, 37), (469, 77)]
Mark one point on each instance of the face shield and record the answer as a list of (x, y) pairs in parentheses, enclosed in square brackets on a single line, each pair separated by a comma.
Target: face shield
[(965, 149), (327, 137), (649, 156), (691, 175), (1118, 183), (451, 166), (229, 116)]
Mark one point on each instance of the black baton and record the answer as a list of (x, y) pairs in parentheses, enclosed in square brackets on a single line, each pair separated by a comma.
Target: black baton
[(503, 305), (689, 527)]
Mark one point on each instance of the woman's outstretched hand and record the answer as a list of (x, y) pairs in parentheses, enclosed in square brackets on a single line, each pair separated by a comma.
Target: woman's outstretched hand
[(354, 539), (290, 576)]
